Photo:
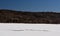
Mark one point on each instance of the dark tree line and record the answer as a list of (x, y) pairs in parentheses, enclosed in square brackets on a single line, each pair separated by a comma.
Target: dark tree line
[(10, 16)]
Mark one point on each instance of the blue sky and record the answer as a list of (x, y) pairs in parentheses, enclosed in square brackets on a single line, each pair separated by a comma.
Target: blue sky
[(31, 5)]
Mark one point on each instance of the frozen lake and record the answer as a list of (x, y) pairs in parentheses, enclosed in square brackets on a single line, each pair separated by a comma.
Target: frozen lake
[(29, 29)]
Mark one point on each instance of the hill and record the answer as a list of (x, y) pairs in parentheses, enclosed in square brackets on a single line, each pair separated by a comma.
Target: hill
[(12, 16)]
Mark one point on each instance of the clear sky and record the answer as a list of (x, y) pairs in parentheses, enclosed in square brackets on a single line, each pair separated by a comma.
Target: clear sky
[(31, 5)]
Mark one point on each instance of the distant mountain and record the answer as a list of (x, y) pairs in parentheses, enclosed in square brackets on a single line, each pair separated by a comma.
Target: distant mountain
[(12, 16)]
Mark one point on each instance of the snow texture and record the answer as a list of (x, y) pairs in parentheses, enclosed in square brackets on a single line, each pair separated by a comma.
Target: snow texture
[(20, 29)]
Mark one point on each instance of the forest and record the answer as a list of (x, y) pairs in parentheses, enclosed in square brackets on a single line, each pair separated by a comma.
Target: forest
[(13, 16)]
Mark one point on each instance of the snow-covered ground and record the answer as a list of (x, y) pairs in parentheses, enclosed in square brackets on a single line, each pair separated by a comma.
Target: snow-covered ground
[(20, 29)]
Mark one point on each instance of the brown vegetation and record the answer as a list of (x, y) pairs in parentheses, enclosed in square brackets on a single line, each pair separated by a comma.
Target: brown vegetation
[(9, 16)]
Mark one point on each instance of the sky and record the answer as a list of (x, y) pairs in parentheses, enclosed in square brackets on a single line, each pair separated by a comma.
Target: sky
[(31, 5)]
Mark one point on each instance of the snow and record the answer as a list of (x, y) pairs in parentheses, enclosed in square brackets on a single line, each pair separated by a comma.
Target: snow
[(21, 29)]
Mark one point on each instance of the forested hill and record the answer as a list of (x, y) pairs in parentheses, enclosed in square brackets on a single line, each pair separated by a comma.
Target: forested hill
[(12, 16)]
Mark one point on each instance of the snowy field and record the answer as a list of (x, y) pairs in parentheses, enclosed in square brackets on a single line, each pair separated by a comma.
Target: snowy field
[(12, 29)]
